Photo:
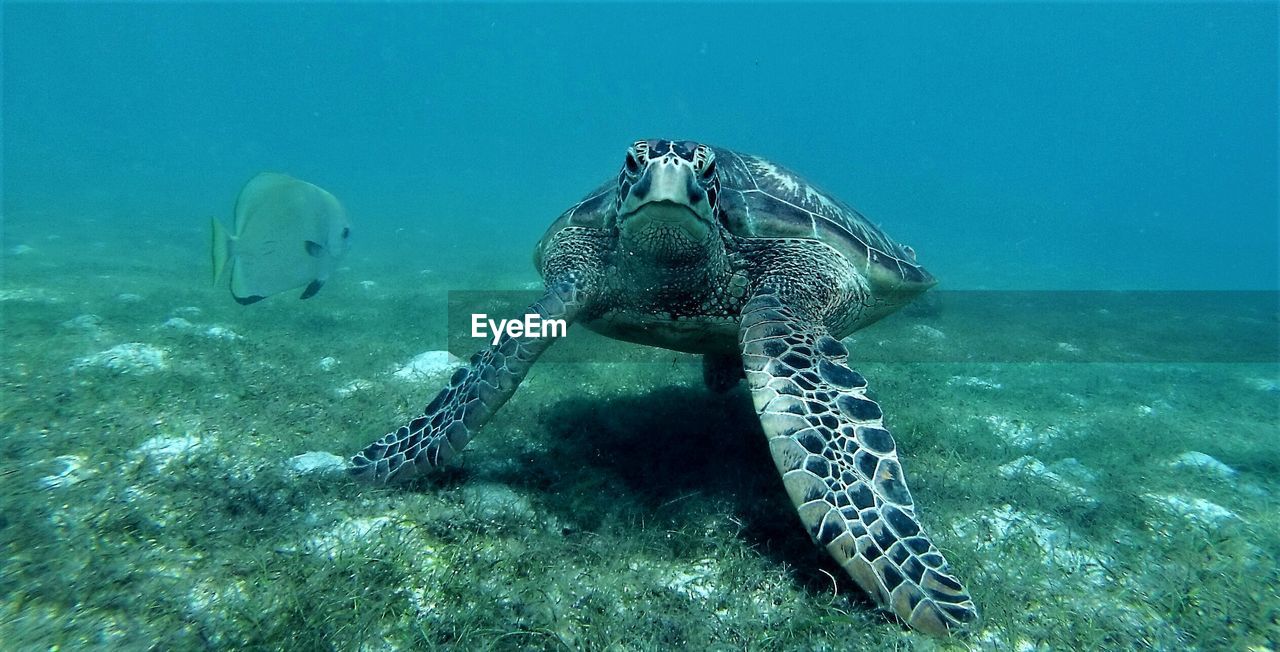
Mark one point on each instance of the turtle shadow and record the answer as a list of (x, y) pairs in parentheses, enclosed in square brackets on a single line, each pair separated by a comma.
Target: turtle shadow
[(658, 451)]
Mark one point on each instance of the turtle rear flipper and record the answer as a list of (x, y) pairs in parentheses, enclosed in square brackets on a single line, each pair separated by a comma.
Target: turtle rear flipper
[(840, 466), (474, 394)]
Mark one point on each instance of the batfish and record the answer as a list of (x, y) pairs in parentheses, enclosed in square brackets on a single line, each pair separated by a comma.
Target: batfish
[(287, 234)]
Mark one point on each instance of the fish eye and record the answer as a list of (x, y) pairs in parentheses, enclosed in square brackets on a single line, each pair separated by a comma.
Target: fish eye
[(346, 232)]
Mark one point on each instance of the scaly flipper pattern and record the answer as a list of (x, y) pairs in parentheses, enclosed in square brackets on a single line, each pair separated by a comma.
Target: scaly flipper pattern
[(840, 466), (474, 393)]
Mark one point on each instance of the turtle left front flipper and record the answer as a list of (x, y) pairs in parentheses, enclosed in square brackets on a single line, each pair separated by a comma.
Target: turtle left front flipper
[(840, 466), (474, 394)]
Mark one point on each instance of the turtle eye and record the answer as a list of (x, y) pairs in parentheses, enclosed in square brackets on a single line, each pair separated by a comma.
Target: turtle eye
[(633, 166), (709, 170)]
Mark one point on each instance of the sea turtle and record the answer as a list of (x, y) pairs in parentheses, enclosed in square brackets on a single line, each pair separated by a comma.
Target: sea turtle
[(705, 250)]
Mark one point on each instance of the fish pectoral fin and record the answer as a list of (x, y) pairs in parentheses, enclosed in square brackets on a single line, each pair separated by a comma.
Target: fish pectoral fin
[(244, 301), (312, 288), (314, 249)]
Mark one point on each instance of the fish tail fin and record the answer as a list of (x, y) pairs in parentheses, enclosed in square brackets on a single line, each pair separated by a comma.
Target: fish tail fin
[(221, 248)]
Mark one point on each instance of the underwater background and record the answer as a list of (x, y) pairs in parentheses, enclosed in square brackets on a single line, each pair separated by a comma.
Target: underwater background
[(1093, 484)]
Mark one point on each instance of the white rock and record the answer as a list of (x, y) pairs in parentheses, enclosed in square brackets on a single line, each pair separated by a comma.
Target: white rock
[(134, 357), (71, 473), (1198, 510), (1264, 384), (34, 295), (211, 332), (1058, 547), (974, 381), (1031, 467), (1020, 434), (368, 285), (928, 332), (129, 297), (427, 366), (84, 323), (327, 363), (161, 450), (696, 581), (1202, 462), (190, 311), (89, 325), (1072, 468), (321, 462), (222, 333), (1025, 465), (493, 499), (330, 543), (357, 385)]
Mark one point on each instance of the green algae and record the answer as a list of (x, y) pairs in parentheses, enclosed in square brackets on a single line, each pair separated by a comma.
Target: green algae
[(610, 505)]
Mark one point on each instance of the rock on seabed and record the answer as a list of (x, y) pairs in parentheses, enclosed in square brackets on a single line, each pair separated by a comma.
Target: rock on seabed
[(427, 366), (131, 358)]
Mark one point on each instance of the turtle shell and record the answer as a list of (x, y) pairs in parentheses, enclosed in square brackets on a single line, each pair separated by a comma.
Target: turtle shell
[(760, 199), (763, 200)]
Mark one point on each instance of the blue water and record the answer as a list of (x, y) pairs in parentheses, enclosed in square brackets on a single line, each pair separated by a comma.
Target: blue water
[(1040, 145)]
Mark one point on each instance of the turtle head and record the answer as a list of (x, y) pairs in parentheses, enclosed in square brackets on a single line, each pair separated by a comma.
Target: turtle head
[(668, 194)]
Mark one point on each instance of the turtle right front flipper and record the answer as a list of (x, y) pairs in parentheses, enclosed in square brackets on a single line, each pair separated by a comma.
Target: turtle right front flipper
[(474, 394), (840, 466)]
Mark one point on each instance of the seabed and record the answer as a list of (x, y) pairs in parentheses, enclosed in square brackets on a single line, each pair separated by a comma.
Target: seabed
[(169, 480)]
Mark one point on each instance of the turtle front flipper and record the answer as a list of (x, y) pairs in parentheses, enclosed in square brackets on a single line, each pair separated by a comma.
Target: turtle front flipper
[(474, 394), (840, 466)]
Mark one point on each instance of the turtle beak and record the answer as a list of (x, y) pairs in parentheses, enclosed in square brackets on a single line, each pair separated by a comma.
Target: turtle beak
[(668, 192)]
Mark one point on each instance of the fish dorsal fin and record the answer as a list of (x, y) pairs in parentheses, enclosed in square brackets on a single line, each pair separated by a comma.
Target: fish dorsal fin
[(259, 186)]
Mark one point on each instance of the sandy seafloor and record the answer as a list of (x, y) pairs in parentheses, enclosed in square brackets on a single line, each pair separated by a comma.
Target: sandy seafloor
[(152, 498)]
